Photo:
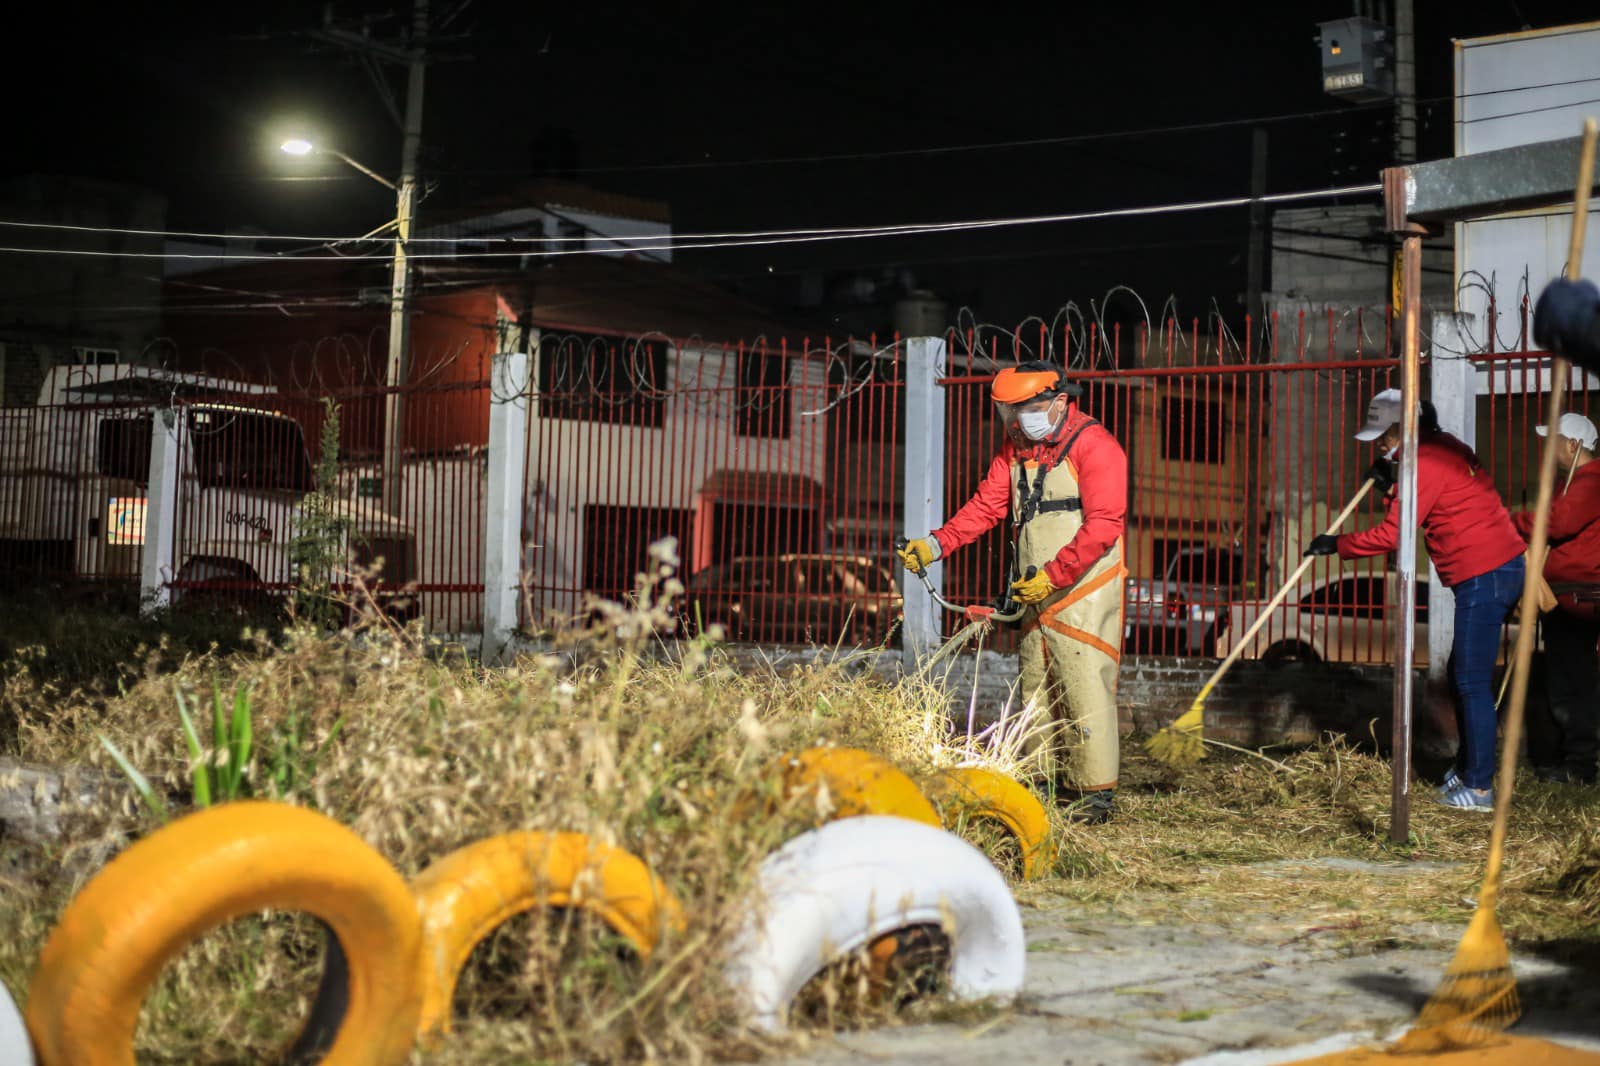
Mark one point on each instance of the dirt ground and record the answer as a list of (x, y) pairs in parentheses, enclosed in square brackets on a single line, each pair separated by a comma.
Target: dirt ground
[(1168, 980)]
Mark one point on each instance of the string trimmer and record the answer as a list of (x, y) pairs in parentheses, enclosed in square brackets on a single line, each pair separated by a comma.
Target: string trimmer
[(1007, 610)]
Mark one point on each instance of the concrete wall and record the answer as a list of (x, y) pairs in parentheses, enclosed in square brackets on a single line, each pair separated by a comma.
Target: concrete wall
[(1341, 256)]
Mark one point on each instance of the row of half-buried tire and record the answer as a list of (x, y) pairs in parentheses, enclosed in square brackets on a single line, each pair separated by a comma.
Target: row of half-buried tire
[(396, 950)]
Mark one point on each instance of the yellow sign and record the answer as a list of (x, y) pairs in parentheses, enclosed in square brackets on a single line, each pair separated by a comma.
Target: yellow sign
[(125, 520), (1396, 273)]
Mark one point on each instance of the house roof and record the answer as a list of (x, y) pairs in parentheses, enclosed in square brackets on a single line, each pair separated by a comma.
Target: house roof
[(553, 193)]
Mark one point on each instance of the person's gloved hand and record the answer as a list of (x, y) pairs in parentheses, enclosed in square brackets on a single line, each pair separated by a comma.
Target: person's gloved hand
[(920, 553), (1033, 589), (1323, 544), (1564, 314), (1381, 474)]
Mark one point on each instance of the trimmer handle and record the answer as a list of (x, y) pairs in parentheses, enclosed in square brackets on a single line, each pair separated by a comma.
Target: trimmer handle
[(900, 544), (1009, 610)]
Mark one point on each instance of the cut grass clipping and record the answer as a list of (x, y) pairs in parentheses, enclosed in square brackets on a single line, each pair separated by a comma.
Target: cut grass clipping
[(649, 741)]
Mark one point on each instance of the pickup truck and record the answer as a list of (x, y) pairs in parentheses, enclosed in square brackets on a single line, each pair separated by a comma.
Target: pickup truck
[(75, 470)]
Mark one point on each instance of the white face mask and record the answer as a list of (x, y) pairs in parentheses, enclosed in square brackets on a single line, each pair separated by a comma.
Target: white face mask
[(1035, 425)]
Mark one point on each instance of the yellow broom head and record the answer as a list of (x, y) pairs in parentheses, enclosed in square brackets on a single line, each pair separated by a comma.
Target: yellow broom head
[(1477, 999), (1179, 744)]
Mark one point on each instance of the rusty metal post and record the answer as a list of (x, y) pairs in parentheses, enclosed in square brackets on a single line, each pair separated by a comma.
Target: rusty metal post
[(1406, 554)]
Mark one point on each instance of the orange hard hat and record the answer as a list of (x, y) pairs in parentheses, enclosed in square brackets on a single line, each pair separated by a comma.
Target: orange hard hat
[(1027, 381)]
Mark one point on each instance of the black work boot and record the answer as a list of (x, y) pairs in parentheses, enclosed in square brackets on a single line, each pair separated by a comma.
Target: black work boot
[(1087, 808)]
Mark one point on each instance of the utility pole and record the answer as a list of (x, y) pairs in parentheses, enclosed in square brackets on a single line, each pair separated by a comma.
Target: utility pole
[(413, 55), (1405, 84), (398, 368), (1255, 257)]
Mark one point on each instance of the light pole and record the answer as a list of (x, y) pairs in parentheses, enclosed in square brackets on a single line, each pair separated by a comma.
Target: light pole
[(398, 368)]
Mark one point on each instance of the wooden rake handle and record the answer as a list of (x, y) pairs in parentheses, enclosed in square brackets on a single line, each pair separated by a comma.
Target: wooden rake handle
[(1282, 594), (1539, 540)]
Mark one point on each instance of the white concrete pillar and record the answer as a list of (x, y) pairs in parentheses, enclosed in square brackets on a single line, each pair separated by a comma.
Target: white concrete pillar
[(924, 486), (1453, 381), (507, 461), (169, 439)]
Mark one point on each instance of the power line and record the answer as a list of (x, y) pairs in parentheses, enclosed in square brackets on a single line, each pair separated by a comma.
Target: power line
[(1030, 142), (671, 242)]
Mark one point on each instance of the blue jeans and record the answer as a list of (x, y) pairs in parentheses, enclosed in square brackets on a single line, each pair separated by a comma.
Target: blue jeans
[(1482, 604)]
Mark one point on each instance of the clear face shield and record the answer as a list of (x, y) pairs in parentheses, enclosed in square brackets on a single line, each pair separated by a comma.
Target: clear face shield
[(1030, 421)]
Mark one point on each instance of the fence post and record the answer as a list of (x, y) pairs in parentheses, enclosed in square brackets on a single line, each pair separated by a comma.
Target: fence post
[(168, 440), (507, 458), (924, 486), (1454, 384)]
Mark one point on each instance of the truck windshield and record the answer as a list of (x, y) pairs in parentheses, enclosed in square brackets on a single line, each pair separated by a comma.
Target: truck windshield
[(248, 450)]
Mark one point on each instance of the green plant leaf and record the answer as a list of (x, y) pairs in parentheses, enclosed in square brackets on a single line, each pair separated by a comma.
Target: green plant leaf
[(141, 785), (239, 749), (199, 769)]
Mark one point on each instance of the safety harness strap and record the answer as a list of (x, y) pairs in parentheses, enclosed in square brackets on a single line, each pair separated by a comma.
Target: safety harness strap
[(1032, 495)]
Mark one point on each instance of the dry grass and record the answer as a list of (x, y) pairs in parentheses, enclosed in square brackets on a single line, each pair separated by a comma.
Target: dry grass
[(653, 744)]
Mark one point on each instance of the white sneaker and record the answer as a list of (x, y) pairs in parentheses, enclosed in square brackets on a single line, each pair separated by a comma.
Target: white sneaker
[(1468, 799)]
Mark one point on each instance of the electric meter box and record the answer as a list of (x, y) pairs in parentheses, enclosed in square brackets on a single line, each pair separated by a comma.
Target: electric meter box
[(1357, 59)]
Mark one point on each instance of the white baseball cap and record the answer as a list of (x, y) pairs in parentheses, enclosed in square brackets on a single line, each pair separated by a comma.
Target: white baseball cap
[(1382, 412), (1574, 426)]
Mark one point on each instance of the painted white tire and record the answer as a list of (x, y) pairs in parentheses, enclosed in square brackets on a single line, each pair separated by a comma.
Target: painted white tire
[(15, 1048), (828, 892)]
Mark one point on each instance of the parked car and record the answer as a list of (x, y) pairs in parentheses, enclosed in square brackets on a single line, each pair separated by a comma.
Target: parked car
[(1342, 618), (796, 598), (1178, 613)]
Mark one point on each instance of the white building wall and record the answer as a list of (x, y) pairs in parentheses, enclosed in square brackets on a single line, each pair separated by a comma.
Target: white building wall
[(573, 464), (1514, 89)]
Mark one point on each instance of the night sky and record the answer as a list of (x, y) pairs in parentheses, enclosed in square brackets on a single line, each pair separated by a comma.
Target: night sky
[(723, 111)]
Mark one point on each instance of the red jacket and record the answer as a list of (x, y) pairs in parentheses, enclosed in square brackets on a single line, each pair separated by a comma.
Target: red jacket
[(1574, 529), (1101, 468), (1464, 524)]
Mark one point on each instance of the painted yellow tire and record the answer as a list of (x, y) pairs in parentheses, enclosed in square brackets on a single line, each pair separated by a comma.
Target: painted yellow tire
[(469, 893), (200, 872), (978, 792), (858, 783)]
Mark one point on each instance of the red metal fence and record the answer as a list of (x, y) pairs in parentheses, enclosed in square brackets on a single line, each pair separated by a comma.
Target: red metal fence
[(777, 467)]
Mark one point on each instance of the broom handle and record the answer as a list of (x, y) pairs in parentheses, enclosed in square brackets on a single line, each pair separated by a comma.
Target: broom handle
[(1272, 605), (1538, 542)]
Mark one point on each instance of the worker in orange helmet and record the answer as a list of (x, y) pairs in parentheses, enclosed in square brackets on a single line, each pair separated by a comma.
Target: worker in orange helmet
[(1063, 479)]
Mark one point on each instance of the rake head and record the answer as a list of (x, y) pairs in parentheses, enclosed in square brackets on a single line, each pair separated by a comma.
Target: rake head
[(1476, 1001), (1179, 744)]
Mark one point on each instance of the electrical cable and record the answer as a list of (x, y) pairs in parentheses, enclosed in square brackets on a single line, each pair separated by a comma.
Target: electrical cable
[(754, 238)]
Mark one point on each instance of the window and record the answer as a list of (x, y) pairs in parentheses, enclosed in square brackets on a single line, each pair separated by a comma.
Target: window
[(248, 450), (1214, 566), (95, 356), (123, 448), (617, 544), (866, 403), (589, 378), (1360, 597), (1194, 430), (763, 395)]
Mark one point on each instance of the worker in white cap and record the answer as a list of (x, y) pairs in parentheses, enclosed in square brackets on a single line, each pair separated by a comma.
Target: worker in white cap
[(1564, 732), (1478, 555)]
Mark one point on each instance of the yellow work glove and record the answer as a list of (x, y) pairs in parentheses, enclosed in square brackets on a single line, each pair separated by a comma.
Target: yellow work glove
[(1033, 589), (918, 554)]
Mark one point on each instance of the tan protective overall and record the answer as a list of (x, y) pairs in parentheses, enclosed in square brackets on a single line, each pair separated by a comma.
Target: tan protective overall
[(1071, 645)]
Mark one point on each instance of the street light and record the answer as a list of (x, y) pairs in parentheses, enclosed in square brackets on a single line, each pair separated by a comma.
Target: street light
[(398, 370)]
